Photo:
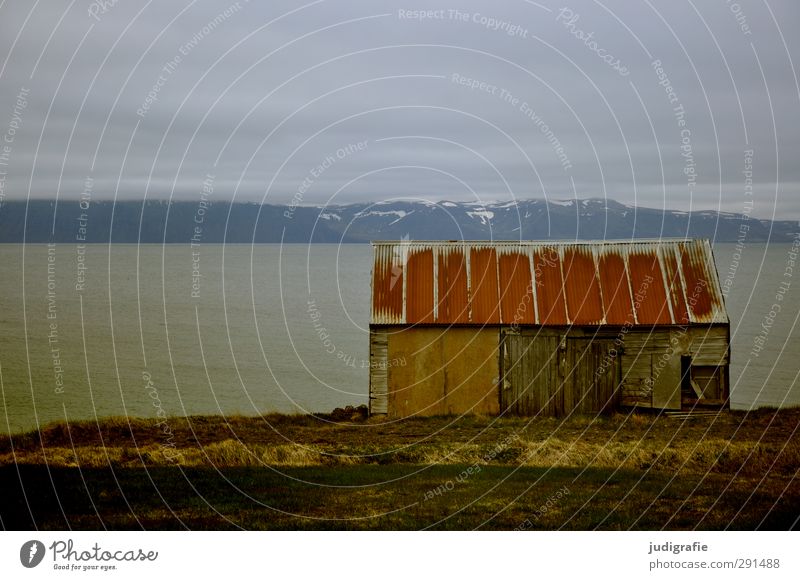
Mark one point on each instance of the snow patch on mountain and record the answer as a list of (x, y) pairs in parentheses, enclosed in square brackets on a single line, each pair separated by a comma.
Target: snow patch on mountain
[(483, 214), (400, 213)]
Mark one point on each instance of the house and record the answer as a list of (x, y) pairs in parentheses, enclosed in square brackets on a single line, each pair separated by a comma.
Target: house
[(546, 328)]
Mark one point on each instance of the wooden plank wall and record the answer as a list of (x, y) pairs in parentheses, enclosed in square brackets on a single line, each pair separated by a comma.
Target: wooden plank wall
[(651, 361), (641, 351), (548, 371), (595, 370), (548, 374), (378, 372), (708, 346), (531, 366)]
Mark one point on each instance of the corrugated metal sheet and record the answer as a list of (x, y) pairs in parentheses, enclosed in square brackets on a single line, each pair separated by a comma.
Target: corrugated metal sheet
[(516, 291), (549, 283), (484, 295), (703, 294), (419, 286), (677, 300), (644, 270), (387, 284), (641, 282), (617, 299), (453, 299), (582, 288)]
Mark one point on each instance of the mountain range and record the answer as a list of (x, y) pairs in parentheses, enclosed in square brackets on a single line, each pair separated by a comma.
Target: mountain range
[(157, 221)]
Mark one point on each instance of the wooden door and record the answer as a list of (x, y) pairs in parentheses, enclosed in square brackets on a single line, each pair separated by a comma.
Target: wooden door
[(593, 376), (543, 374), (531, 374)]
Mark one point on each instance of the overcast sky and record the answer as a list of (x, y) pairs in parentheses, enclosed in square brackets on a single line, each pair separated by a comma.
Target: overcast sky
[(341, 101)]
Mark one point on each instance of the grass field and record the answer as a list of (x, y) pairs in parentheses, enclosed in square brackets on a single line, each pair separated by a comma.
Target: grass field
[(734, 470)]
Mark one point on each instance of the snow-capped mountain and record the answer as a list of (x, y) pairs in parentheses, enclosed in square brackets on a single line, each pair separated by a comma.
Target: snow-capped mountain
[(175, 222), (536, 219)]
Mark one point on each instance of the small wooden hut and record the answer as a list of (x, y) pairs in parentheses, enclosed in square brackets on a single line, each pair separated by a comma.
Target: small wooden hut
[(546, 328)]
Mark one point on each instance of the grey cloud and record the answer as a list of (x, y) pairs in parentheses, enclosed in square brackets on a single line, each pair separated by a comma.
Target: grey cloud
[(402, 70)]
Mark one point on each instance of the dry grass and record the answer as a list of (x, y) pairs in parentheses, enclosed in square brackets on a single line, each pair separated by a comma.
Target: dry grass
[(752, 443), (625, 471)]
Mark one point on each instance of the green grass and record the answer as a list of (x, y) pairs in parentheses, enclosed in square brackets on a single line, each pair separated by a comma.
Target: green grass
[(392, 497), (735, 471)]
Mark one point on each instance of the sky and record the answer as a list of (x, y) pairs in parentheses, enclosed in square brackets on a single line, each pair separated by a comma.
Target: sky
[(686, 105)]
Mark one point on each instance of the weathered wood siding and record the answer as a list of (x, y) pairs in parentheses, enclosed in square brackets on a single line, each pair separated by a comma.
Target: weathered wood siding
[(558, 373), (651, 362), (378, 372), (709, 345), (595, 376), (530, 367), (644, 370)]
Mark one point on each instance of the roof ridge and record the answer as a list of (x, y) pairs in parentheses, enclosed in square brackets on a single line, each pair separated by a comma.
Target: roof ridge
[(542, 242)]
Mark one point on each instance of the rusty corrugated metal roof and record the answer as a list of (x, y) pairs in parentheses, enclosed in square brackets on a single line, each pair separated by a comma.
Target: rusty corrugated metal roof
[(641, 282)]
